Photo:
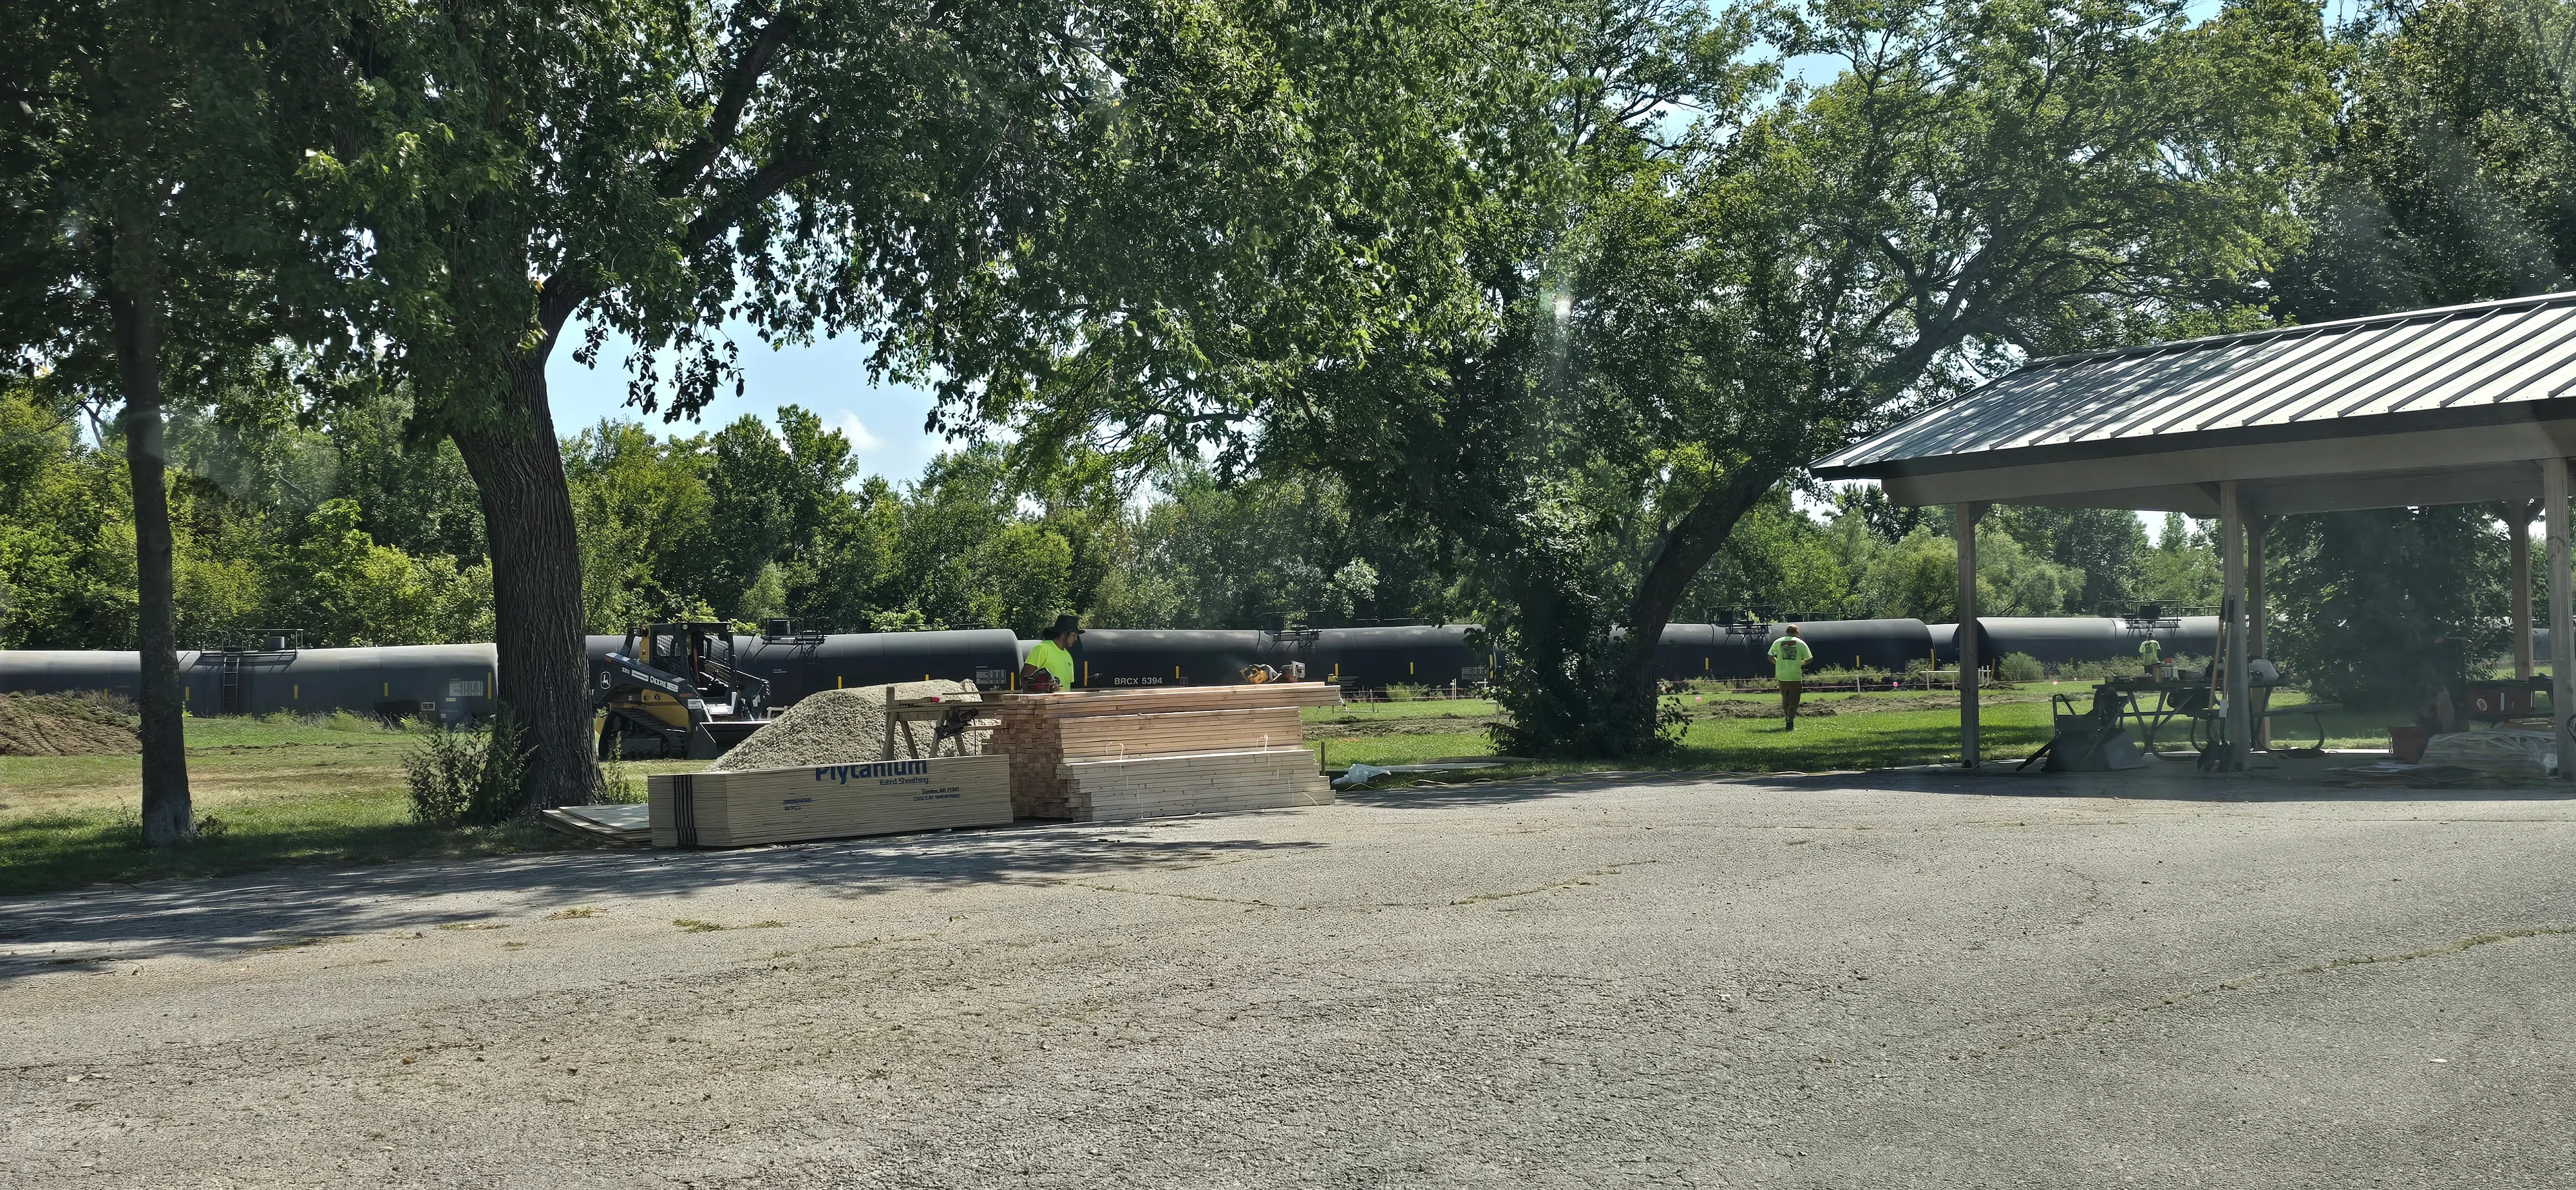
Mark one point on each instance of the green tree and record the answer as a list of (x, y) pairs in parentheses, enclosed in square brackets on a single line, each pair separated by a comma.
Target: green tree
[(148, 236), (2367, 635), (988, 191)]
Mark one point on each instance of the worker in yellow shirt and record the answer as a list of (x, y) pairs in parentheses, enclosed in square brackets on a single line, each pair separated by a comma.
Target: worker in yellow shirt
[(1049, 667), (1789, 658)]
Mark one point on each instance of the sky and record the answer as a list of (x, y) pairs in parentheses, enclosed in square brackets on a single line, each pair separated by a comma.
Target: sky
[(829, 377)]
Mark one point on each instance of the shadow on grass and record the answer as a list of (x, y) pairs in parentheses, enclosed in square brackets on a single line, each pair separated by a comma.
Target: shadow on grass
[(50, 852)]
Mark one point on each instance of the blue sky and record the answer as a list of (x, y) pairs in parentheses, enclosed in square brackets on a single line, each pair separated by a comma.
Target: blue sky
[(829, 376)]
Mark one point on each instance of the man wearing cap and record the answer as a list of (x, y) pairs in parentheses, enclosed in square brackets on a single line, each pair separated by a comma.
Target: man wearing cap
[(1789, 658), (1050, 665)]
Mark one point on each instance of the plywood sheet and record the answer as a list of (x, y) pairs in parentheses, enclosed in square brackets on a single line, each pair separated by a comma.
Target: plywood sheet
[(734, 809)]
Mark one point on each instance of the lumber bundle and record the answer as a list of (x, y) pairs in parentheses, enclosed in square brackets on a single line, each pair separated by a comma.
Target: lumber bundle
[(623, 825), (736, 809), (1151, 786), (1098, 755)]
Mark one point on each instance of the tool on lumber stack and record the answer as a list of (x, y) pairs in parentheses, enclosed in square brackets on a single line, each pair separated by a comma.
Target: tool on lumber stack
[(1096, 756), (953, 715)]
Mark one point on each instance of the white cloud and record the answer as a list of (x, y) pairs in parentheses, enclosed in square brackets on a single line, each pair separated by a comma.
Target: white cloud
[(861, 441)]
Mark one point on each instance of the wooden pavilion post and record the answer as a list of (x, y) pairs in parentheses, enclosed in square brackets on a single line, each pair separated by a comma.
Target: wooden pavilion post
[(2258, 612), (2517, 520), (1967, 634), (2240, 717), (2562, 607)]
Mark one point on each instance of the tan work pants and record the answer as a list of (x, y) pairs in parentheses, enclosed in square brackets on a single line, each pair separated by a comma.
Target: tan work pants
[(1789, 692)]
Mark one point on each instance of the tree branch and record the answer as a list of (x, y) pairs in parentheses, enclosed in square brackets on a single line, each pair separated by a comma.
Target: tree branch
[(687, 170)]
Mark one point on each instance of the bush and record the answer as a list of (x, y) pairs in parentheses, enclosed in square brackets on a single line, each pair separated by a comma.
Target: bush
[(467, 778), (1400, 692), (2022, 667), (344, 721)]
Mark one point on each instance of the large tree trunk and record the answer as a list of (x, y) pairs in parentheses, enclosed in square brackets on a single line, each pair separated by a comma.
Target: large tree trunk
[(167, 815), (536, 586), (1685, 552)]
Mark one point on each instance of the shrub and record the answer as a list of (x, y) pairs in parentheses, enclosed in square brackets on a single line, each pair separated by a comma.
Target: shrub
[(1401, 692), (344, 721), (2022, 667), (467, 778)]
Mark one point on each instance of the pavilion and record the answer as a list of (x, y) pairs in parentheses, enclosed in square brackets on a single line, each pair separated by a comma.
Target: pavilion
[(2457, 405)]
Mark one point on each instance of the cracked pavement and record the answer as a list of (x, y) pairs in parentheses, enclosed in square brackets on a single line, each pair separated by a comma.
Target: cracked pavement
[(1882, 980)]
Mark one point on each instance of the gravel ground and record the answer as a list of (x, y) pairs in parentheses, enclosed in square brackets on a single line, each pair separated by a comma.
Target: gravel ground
[(838, 727), (1836, 981)]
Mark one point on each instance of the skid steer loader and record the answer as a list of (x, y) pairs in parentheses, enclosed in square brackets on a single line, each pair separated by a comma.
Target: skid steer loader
[(675, 691)]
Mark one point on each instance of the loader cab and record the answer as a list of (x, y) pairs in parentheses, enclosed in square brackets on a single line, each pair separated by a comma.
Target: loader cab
[(721, 707), (704, 654)]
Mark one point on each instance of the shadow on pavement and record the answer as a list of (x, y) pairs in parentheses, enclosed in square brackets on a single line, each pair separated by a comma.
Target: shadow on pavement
[(2167, 781), (229, 915)]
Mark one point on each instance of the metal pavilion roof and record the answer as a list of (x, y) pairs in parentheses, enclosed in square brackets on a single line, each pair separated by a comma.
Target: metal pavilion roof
[(2489, 363)]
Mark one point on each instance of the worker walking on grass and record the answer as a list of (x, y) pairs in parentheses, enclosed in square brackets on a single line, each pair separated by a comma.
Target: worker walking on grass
[(1789, 658), (1050, 664)]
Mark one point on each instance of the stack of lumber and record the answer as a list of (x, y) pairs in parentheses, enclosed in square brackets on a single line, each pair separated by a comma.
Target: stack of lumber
[(736, 809), (619, 824), (1100, 755)]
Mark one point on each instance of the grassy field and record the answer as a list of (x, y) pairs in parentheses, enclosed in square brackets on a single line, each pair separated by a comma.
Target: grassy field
[(288, 791), (2015, 722), (280, 790)]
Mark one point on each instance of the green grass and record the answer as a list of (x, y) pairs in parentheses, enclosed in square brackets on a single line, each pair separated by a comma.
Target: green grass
[(1873, 740), (1372, 711), (284, 791)]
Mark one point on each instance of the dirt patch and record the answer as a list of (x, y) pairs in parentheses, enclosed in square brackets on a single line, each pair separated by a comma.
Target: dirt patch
[(838, 727), (1814, 707), (88, 723), (1357, 729)]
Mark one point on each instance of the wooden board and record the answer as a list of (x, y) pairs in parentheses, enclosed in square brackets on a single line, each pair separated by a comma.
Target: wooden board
[(736, 809), (1117, 736), (620, 824), (1199, 783), (1042, 732)]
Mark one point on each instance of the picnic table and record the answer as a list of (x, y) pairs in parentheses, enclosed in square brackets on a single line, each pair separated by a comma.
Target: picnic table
[(2190, 700)]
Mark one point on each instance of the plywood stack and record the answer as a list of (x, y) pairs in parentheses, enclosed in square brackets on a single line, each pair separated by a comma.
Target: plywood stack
[(736, 809), (1094, 756)]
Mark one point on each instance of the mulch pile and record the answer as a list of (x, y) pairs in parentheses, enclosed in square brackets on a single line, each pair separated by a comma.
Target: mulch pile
[(88, 723)]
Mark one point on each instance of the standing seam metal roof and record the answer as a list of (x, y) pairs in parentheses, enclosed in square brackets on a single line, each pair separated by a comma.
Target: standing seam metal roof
[(2480, 357)]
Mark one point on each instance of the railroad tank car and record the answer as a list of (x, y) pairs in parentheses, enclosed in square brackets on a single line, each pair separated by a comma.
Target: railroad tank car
[(61, 671), (798, 666), (1408, 655), (1693, 651), (2055, 640), (1128, 657), (454, 680), (1863, 644), (456, 683)]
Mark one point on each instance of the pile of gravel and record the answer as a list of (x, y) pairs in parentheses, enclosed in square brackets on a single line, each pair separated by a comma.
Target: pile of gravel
[(838, 727), (83, 723)]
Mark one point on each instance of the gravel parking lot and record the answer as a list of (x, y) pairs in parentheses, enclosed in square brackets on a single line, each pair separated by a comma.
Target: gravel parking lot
[(1908, 980)]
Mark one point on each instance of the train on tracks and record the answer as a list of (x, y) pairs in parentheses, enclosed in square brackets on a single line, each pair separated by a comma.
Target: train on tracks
[(456, 683)]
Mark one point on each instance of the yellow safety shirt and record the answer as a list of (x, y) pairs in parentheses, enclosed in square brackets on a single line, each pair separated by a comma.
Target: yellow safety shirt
[(1052, 658), (1789, 656)]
